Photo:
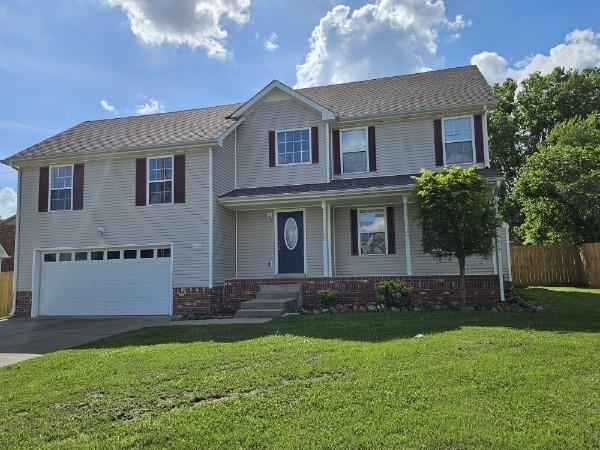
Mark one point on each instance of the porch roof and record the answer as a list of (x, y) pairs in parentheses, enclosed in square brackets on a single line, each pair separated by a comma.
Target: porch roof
[(334, 187)]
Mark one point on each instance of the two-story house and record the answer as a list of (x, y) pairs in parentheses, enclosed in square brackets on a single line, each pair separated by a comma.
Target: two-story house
[(192, 211)]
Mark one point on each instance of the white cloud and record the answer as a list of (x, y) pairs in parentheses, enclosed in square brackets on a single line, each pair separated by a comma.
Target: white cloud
[(386, 37), (272, 42), (8, 202), (108, 107), (150, 107), (196, 23), (580, 49)]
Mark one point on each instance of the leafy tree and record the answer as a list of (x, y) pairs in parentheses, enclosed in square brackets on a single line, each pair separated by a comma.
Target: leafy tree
[(458, 215), (558, 189)]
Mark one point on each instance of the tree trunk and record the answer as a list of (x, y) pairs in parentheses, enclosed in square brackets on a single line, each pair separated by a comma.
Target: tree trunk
[(461, 281)]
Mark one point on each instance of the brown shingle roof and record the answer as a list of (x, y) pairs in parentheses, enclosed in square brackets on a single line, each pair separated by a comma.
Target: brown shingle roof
[(428, 91)]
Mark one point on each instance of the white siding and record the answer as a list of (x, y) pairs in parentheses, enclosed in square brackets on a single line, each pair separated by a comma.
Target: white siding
[(109, 201), (253, 145)]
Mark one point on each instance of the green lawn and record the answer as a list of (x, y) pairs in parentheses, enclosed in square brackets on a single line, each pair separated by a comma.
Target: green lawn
[(474, 380)]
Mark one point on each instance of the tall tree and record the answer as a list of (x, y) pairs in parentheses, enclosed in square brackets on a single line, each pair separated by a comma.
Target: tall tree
[(458, 216)]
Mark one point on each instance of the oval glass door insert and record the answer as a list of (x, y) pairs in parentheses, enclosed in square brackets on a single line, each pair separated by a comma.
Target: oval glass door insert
[(290, 233)]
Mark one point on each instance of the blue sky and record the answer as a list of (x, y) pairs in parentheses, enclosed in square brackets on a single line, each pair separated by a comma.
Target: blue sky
[(59, 60)]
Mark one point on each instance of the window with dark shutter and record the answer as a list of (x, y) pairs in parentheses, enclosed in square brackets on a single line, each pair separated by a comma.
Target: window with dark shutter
[(477, 121), (438, 143), (314, 143), (372, 150), (179, 182), (140, 182), (337, 165), (271, 148), (78, 175), (391, 230), (354, 231), (43, 189)]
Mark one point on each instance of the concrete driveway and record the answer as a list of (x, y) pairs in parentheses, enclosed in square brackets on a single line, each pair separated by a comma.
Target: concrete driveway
[(22, 339)]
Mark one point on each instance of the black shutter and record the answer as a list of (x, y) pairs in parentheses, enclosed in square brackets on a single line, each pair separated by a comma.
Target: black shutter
[(271, 149), (391, 230), (372, 150), (78, 174), (314, 138), (140, 182), (43, 189), (179, 181), (337, 166), (439, 145), (354, 231), (478, 138)]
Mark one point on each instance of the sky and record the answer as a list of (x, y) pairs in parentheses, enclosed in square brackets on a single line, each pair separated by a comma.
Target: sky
[(66, 61)]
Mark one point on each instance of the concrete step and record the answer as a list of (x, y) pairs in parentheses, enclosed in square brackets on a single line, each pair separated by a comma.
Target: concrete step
[(267, 296), (280, 288), (284, 304), (259, 313)]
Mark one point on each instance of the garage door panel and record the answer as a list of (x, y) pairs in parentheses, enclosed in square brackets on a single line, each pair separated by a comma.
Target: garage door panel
[(106, 287)]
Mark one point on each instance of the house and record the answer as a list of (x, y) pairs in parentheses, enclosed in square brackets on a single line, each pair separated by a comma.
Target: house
[(194, 211), (7, 243)]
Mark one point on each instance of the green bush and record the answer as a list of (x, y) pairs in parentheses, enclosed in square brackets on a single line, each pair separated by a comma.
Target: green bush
[(327, 297), (392, 292)]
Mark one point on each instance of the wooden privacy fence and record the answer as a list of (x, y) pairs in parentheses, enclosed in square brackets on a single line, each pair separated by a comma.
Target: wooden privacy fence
[(6, 293), (556, 265)]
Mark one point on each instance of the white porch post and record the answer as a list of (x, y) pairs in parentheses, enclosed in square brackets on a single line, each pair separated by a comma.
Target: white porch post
[(500, 272), (407, 236), (326, 267)]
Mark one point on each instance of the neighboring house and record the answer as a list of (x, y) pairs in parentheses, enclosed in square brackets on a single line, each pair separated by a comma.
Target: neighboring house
[(191, 211), (7, 243)]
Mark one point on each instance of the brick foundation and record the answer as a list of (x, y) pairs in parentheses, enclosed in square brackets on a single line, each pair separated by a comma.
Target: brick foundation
[(427, 290), (197, 301), (23, 307)]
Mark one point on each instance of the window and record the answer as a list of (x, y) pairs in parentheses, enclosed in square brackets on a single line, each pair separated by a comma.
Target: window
[(163, 253), (160, 180), (458, 140), (147, 253), (97, 256), (354, 150), (293, 146), (372, 231), (64, 257), (81, 256), (129, 254), (113, 254), (61, 184), (50, 257)]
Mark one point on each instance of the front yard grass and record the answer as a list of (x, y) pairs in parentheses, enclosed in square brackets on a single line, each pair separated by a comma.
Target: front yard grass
[(474, 380)]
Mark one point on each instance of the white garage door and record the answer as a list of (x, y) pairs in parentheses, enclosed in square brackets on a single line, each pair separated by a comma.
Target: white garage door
[(106, 282)]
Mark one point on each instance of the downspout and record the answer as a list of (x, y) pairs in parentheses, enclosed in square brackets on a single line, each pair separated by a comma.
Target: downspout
[(16, 249), (499, 256), (210, 217)]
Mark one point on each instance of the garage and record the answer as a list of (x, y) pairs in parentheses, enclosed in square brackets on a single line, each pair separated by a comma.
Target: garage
[(97, 282)]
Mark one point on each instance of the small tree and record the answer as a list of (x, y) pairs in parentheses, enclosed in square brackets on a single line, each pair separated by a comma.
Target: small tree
[(458, 216)]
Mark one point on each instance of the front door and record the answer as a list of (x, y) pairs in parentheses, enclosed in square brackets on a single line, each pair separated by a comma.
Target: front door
[(290, 242)]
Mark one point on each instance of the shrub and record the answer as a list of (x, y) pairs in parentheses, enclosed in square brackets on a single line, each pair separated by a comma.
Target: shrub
[(392, 292), (327, 297)]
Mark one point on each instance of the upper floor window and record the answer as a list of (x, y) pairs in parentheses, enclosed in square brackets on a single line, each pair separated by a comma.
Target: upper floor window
[(458, 140), (372, 231), (61, 188), (354, 150), (293, 146), (160, 180)]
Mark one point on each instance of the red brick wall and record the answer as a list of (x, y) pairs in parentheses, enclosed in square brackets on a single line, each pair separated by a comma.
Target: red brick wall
[(23, 307), (197, 301)]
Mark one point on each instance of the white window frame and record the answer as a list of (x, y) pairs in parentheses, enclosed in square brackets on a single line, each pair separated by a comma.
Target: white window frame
[(366, 129), (451, 142), (277, 163), (172, 180), (50, 189), (376, 208)]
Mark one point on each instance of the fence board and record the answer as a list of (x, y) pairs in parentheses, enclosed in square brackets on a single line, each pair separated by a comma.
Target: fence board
[(6, 293), (556, 265)]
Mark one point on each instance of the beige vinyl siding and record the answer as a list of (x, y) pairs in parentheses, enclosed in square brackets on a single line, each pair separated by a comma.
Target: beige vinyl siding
[(109, 201), (425, 264), (253, 145), (224, 219), (257, 243), (348, 265)]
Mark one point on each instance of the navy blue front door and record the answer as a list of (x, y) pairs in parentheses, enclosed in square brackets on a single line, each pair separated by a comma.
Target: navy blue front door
[(290, 242)]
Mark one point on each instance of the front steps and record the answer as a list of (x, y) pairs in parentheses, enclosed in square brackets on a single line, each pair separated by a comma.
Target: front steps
[(272, 300)]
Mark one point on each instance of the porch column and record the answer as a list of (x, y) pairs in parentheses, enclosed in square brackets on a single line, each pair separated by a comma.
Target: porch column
[(325, 209), (407, 236)]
